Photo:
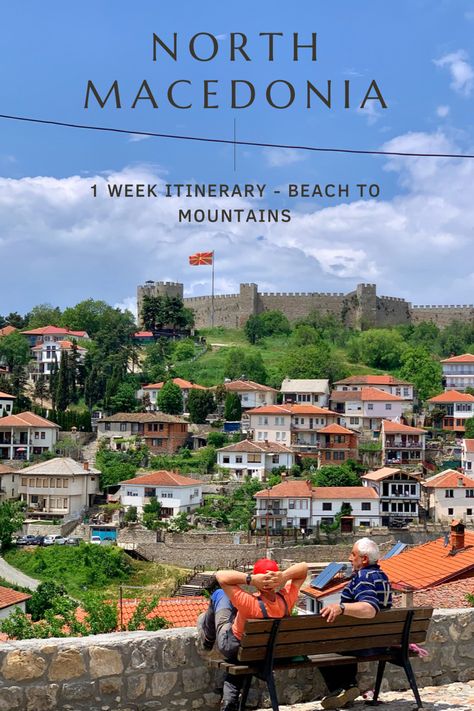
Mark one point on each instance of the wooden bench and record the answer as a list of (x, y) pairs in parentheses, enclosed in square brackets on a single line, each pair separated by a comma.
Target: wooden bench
[(308, 640)]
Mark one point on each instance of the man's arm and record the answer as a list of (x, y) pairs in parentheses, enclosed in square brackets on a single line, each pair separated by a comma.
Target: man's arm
[(352, 609), (295, 573), (228, 579)]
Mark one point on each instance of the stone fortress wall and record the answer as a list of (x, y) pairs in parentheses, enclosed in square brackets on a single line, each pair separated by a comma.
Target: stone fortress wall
[(360, 309)]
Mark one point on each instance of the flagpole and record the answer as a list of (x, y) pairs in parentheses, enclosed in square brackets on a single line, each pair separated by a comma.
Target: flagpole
[(212, 292)]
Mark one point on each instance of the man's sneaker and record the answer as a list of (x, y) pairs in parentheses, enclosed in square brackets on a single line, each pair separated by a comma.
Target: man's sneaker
[(340, 699), (204, 645)]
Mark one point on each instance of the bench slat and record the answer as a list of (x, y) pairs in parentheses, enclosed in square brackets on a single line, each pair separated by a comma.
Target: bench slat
[(330, 632)]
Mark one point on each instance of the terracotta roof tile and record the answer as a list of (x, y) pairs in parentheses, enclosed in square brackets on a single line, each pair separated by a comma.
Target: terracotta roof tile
[(247, 385), (452, 396), (327, 590), (143, 334), (6, 330), (447, 596), (465, 358), (6, 396), (55, 331), (180, 382), (178, 611), (449, 479), (344, 492), (162, 478), (469, 444), (345, 395), (431, 564), (390, 426), (248, 445), (7, 470), (336, 429), (143, 417), (291, 410), (26, 419), (368, 394), (287, 489), (371, 380), (11, 597), (380, 474)]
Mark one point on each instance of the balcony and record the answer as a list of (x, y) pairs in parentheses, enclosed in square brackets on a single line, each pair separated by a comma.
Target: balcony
[(400, 444), (271, 512)]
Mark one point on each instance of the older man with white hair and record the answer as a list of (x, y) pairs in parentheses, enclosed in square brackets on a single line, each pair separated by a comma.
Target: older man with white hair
[(364, 596)]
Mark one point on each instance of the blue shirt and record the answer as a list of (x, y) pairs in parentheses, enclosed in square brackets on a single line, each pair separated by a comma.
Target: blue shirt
[(370, 585)]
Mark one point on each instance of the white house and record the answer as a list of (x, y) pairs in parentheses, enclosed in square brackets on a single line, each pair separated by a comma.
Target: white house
[(305, 391), (52, 334), (9, 479), (174, 492), (295, 425), (364, 502), (254, 459), (48, 355), (26, 434), (58, 487), (399, 493), (402, 444), (365, 409), (153, 389), (6, 404), (252, 394), (450, 495), (467, 456), (388, 383), (298, 504), (10, 600), (458, 372), (457, 408)]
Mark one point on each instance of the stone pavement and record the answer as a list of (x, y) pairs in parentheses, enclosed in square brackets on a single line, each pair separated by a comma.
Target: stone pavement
[(451, 697)]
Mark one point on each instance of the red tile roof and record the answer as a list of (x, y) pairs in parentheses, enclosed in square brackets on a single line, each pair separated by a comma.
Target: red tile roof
[(449, 479), (178, 611), (287, 489), (180, 382), (10, 597), (327, 590), (26, 419), (6, 396), (447, 596), (371, 380), (389, 426), (336, 429), (431, 564), (380, 474), (291, 410), (162, 478), (6, 330), (345, 395), (452, 396), (247, 385), (465, 358), (469, 444), (143, 334), (368, 394), (344, 492), (55, 331), (248, 445), (7, 470)]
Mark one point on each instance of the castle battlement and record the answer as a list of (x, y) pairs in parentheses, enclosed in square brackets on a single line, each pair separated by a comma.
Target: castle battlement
[(443, 306)]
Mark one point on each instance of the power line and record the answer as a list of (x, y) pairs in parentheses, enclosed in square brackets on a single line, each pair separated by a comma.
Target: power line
[(257, 144)]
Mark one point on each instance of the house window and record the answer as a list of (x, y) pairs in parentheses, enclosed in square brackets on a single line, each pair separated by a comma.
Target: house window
[(255, 458), (469, 493), (450, 512), (226, 460), (157, 442), (468, 512), (370, 406), (449, 493), (149, 492), (291, 504), (388, 406), (123, 427), (406, 392), (365, 506), (238, 459), (43, 435), (107, 426), (338, 456), (385, 506), (275, 459), (327, 506), (132, 493), (283, 435), (354, 420), (37, 434)]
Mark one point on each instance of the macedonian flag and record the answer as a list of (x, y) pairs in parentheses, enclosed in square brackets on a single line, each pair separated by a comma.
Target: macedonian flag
[(201, 258)]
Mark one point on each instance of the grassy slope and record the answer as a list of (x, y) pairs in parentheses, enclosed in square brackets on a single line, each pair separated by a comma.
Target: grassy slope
[(64, 565)]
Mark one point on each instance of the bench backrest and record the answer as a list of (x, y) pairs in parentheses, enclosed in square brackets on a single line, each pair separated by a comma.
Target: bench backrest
[(311, 634)]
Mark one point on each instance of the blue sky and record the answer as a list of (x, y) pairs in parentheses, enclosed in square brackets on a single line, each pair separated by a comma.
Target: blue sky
[(413, 240)]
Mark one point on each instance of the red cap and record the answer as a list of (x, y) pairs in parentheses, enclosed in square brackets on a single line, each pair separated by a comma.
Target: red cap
[(263, 565)]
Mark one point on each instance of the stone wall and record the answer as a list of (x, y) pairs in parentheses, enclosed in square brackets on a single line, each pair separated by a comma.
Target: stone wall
[(148, 671), (442, 315)]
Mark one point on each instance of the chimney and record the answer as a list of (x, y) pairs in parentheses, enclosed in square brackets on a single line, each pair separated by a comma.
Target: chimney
[(457, 536), (86, 466)]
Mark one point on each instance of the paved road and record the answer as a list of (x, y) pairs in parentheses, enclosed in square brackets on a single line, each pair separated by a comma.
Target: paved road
[(13, 575), (451, 697)]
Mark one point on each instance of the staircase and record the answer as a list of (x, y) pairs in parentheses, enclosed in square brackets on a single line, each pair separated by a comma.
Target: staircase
[(89, 452), (197, 584)]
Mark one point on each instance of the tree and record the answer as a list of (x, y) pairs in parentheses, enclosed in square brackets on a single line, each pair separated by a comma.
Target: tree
[(165, 312), (41, 388), (11, 521), (233, 407), (131, 515), (151, 514), (335, 476), (170, 399), (200, 404), (14, 319), (217, 439), (14, 350), (469, 425), (378, 347), (63, 390), (268, 323), (44, 315), (125, 399), (241, 363), (42, 599), (316, 361), (419, 367)]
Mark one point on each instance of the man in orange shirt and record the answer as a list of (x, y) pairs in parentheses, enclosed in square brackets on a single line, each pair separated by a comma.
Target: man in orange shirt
[(224, 621)]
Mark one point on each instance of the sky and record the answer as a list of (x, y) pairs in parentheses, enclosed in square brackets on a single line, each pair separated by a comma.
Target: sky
[(59, 244)]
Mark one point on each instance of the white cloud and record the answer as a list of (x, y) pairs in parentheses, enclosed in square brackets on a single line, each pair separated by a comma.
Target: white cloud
[(462, 73), (137, 138), (62, 245), (129, 303), (278, 157), (370, 113), (442, 111)]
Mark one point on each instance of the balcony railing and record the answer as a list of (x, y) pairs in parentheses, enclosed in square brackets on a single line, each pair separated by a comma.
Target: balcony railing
[(272, 512), (399, 444)]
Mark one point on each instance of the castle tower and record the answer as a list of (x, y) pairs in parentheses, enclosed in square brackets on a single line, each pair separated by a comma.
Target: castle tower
[(366, 311), (157, 288), (248, 302)]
